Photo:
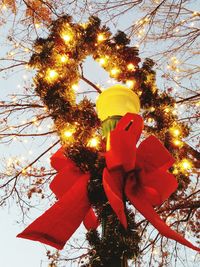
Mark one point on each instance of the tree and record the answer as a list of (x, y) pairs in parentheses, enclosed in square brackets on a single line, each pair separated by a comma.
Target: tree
[(183, 206)]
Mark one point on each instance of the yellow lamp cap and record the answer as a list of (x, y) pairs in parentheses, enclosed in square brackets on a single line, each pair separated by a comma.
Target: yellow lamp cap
[(117, 100)]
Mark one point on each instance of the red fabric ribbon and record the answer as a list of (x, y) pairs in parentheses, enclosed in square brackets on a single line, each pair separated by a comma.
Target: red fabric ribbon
[(139, 173), (60, 221)]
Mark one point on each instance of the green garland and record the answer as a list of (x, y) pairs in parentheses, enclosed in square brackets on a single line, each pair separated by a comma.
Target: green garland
[(58, 59)]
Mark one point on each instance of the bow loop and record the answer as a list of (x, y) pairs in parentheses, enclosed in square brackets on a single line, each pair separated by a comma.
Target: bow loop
[(123, 141), (152, 155), (59, 161), (65, 178)]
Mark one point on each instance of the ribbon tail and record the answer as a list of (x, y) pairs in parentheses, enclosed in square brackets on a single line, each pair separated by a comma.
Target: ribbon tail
[(113, 186), (91, 221), (59, 222), (143, 206)]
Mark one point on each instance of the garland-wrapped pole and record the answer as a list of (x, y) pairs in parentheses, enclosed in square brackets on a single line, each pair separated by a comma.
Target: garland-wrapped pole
[(112, 104)]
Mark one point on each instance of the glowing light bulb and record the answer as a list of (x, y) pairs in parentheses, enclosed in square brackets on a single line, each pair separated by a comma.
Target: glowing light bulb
[(177, 142), (114, 71), (130, 83), (102, 61), (66, 37), (37, 25), (63, 58), (185, 164), (52, 75), (130, 67), (75, 87), (93, 142), (175, 131), (101, 37), (68, 133)]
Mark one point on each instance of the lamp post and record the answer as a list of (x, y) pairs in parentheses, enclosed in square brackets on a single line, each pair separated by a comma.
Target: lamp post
[(112, 104)]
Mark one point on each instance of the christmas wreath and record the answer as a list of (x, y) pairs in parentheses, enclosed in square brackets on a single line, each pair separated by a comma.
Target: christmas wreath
[(83, 160)]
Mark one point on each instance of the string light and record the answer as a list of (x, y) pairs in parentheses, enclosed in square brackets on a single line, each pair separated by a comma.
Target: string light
[(131, 67), (37, 25), (130, 83), (175, 131), (52, 75), (185, 164), (102, 61), (114, 71), (66, 37), (63, 58), (101, 37), (177, 143), (93, 142), (68, 133), (75, 87)]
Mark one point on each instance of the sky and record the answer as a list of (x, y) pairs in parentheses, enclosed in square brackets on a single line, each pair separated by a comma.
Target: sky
[(21, 252)]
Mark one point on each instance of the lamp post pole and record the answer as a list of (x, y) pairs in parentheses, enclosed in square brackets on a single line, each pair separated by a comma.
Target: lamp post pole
[(112, 104)]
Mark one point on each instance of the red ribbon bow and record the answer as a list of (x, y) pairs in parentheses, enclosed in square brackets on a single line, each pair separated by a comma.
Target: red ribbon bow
[(139, 173), (60, 221)]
